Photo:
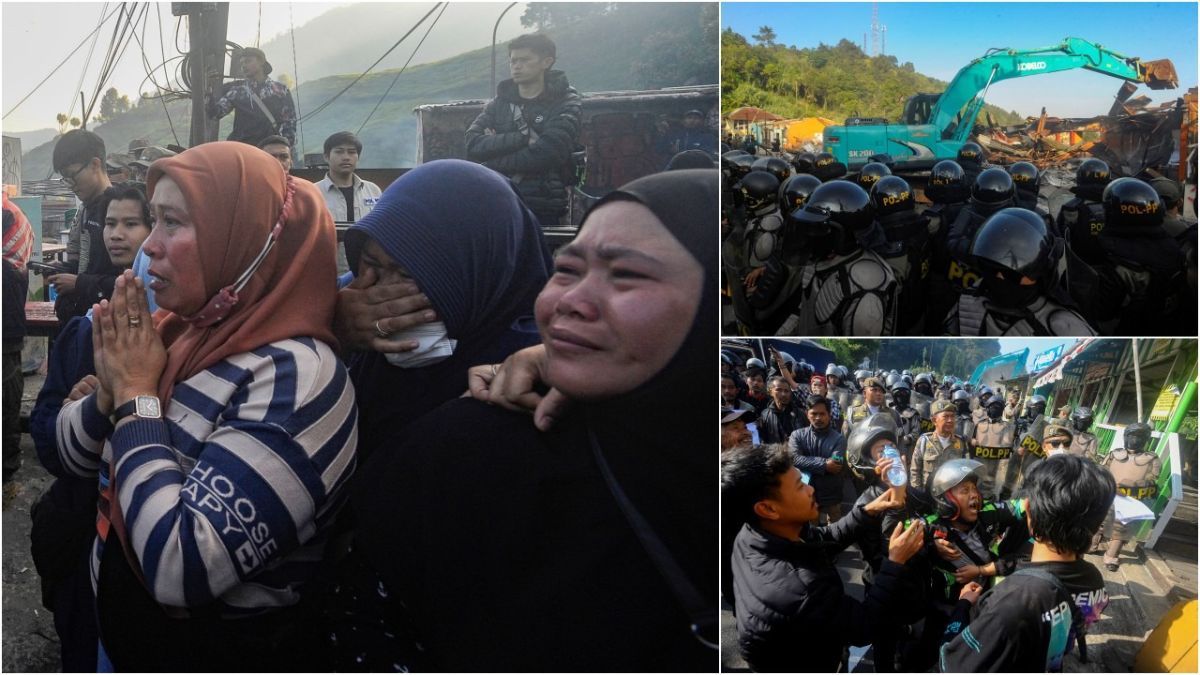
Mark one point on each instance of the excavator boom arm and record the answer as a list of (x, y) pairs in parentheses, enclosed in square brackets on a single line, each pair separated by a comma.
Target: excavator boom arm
[(1007, 64)]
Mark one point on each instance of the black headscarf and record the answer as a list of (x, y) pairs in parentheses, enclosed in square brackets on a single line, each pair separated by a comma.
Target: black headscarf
[(462, 233), (505, 543)]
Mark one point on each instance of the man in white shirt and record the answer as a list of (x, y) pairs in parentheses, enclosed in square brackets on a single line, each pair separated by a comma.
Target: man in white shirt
[(348, 197)]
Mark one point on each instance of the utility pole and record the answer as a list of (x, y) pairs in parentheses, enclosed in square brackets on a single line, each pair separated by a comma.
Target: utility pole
[(207, 26)]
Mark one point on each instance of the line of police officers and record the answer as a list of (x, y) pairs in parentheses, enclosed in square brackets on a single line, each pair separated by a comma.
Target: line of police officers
[(808, 250), (935, 422)]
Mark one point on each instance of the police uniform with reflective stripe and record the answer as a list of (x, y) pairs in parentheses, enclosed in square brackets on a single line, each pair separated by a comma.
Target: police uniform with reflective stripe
[(847, 295), (993, 447)]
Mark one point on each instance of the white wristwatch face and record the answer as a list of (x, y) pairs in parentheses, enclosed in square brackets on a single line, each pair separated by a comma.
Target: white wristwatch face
[(148, 406)]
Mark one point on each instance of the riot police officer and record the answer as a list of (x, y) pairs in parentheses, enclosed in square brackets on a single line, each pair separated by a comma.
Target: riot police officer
[(972, 159), (992, 447), (751, 253), (775, 166), (870, 174), (1084, 443), (1136, 471), (836, 377), (1081, 219), (827, 168), (964, 425), (1143, 261), (1025, 178), (845, 290), (907, 248), (1030, 429), (795, 191), (1021, 291), (804, 162), (993, 190), (909, 428), (979, 412)]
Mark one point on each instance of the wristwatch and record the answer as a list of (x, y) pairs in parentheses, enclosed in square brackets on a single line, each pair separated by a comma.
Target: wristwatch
[(146, 407)]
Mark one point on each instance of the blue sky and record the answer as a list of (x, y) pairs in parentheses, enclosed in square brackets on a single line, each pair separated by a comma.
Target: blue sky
[(941, 38)]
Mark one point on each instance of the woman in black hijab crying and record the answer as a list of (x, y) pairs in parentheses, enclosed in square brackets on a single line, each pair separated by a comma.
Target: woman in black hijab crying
[(487, 545)]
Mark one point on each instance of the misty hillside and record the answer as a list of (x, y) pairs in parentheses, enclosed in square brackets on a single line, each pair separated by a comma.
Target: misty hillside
[(348, 39), (610, 47)]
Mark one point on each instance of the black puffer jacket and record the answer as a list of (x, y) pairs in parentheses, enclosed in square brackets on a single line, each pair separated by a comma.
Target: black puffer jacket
[(792, 611), (541, 170)]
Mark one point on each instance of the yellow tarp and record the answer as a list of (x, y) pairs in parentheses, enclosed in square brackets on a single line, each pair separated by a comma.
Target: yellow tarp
[(800, 131)]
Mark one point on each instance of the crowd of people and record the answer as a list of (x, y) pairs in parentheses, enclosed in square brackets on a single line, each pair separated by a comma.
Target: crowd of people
[(945, 488), (435, 461), (810, 249)]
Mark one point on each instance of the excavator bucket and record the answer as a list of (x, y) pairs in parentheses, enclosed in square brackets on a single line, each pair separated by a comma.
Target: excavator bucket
[(1159, 74)]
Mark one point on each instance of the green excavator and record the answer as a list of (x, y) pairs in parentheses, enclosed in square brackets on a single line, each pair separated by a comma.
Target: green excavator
[(934, 126)]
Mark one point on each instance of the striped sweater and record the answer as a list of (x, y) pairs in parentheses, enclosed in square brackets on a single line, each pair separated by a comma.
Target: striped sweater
[(229, 496)]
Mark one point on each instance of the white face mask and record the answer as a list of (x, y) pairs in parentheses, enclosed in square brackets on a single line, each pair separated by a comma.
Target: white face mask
[(434, 345)]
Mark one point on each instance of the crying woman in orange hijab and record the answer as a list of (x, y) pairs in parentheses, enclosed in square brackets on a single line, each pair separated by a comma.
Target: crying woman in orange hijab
[(224, 427)]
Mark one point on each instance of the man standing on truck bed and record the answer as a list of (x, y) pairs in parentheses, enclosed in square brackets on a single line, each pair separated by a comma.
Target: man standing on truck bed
[(530, 129)]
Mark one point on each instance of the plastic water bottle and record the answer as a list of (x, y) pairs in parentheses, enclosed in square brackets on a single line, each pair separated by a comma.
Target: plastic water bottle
[(896, 475)]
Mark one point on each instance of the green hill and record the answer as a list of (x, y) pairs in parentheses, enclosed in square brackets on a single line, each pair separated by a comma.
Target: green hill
[(617, 46), (834, 82)]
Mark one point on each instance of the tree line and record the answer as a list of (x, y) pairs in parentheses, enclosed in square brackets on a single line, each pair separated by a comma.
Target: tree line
[(836, 82)]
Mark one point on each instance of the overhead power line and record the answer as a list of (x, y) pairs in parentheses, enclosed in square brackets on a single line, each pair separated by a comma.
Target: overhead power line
[(356, 80), (61, 63), (403, 68)]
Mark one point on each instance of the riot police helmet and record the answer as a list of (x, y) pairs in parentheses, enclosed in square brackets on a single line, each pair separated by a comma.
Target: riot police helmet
[(803, 370), (861, 374), (971, 153), (949, 476), (1129, 202), (1081, 418), (774, 166), (993, 187), (839, 201), (870, 174), (1091, 177), (1024, 175), (892, 194), (829, 218), (947, 183), (726, 357), (1015, 243), (759, 189), (795, 191), (864, 435), (895, 382), (804, 162), (740, 166), (1036, 405), (755, 363), (1137, 436), (884, 159), (824, 159), (833, 369)]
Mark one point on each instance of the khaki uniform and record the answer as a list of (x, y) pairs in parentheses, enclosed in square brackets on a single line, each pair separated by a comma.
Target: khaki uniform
[(993, 446), (1012, 411), (1084, 445), (858, 413), (1136, 474), (928, 455)]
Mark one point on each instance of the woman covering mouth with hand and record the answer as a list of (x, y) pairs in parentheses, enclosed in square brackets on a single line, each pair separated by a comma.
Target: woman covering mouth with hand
[(494, 546)]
